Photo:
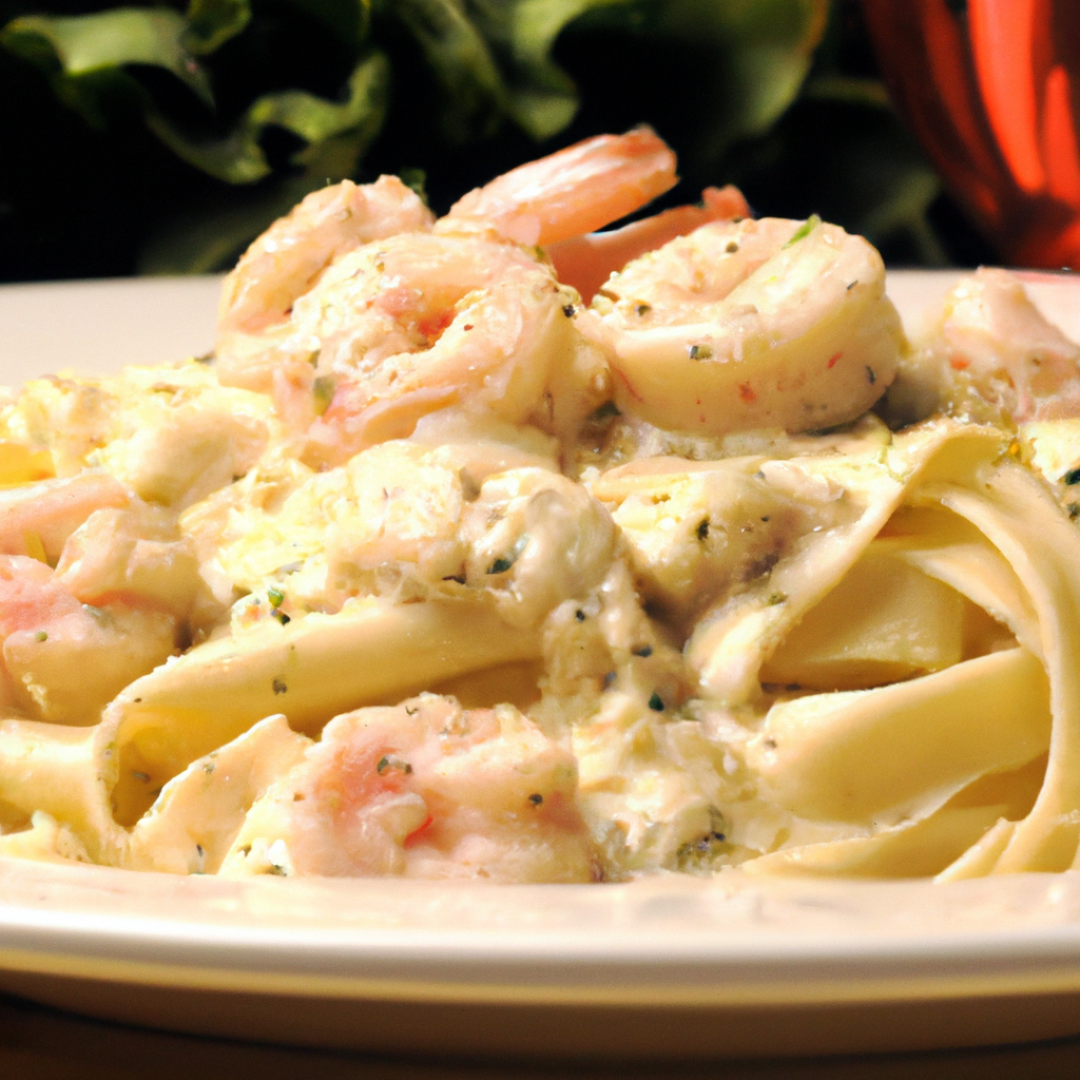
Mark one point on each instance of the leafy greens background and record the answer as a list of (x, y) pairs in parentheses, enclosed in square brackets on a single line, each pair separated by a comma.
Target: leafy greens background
[(162, 138)]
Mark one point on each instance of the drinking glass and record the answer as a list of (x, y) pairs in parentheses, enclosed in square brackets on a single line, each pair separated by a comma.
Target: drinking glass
[(991, 88)]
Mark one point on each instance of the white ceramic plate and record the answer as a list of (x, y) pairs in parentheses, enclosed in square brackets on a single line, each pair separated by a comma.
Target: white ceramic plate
[(671, 967)]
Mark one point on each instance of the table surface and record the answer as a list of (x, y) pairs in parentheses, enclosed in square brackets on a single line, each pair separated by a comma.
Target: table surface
[(38, 1043)]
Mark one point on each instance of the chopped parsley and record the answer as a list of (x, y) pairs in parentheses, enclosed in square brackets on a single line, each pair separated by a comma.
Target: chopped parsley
[(323, 390), (698, 854), (504, 562), (804, 230), (604, 412), (388, 762)]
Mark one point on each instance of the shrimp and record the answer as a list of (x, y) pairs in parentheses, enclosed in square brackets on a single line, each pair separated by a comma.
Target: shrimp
[(752, 324), (36, 519), (424, 789), (586, 262), (47, 632), (426, 322), (573, 191), (460, 315), (992, 351), (291, 256), (112, 609)]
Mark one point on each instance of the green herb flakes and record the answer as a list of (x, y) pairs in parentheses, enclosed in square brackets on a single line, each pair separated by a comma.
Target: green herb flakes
[(389, 762), (804, 230), (323, 389), (504, 562)]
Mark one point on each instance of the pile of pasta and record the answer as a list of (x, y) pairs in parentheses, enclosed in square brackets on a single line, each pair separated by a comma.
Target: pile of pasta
[(711, 572)]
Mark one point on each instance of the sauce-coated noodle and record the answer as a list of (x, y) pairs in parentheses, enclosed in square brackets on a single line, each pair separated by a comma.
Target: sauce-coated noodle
[(439, 571)]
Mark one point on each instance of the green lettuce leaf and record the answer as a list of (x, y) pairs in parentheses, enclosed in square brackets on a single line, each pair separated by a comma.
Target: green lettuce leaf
[(455, 49), (75, 49), (542, 98), (493, 60), (239, 158), (213, 22), (748, 91), (347, 20), (760, 53)]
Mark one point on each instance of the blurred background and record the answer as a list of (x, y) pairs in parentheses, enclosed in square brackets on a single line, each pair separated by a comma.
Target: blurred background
[(163, 138)]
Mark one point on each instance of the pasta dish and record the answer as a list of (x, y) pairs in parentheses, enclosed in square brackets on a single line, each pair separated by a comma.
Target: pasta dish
[(496, 546)]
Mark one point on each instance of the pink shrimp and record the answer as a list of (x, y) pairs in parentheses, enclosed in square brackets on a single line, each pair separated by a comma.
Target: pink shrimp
[(291, 256), (758, 324), (573, 191), (112, 609), (418, 323), (459, 316), (993, 347), (287, 259), (37, 519), (47, 633), (586, 262), (425, 789)]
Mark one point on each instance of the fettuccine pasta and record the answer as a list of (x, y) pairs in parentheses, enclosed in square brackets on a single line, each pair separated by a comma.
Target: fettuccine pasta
[(449, 564)]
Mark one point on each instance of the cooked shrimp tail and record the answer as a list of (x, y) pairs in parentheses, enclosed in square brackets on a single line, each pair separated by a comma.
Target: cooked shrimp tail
[(576, 190)]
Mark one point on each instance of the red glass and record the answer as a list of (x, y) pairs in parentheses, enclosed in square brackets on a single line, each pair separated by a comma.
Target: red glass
[(991, 89)]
